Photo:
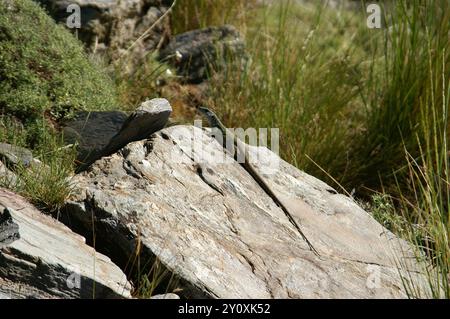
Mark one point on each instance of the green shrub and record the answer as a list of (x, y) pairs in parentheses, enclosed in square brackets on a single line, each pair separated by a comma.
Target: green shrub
[(43, 68)]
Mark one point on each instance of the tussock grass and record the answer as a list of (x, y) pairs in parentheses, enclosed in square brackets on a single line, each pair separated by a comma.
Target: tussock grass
[(407, 132), (305, 79), (45, 184)]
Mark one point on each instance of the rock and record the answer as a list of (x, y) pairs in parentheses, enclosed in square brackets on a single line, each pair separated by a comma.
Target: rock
[(92, 131), (7, 178), (194, 52), (13, 155), (12, 160), (42, 258), (211, 225), (166, 296), (113, 25), (149, 117)]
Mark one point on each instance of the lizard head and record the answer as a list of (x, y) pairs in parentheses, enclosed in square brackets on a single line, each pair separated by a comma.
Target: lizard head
[(212, 118)]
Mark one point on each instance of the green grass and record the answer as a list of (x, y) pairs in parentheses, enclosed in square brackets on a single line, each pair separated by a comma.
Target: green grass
[(426, 201), (195, 14), (46, 185), (407, 132), (156, 280), (305, 79)]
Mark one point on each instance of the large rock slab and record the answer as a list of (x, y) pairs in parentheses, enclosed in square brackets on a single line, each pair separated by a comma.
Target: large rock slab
[(42, 258), (178, 197), (196, 53)]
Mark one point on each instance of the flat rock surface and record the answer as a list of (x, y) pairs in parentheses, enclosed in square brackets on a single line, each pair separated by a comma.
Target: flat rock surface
[(42, 258), (178, 197)]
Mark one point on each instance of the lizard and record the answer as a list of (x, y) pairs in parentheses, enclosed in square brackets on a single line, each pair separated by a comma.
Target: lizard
[(240, 147)]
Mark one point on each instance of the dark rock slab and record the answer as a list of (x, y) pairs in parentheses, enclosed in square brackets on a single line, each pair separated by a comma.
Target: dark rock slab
[(92, 131), (195, 53), (148, 118)]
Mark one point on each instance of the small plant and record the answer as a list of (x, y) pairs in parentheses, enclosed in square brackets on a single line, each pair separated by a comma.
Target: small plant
[(149, 275), (156, 280), (383, 210)]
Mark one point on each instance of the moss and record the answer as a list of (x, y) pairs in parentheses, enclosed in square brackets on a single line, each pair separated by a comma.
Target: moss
[(44, 69)]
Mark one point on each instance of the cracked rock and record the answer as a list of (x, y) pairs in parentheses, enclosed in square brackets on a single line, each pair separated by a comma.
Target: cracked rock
[(236, 243), (42, 258)]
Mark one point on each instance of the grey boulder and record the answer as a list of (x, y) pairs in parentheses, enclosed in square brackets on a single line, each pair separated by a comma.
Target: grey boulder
[(42, 258), (13, 155), (186, 204)]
